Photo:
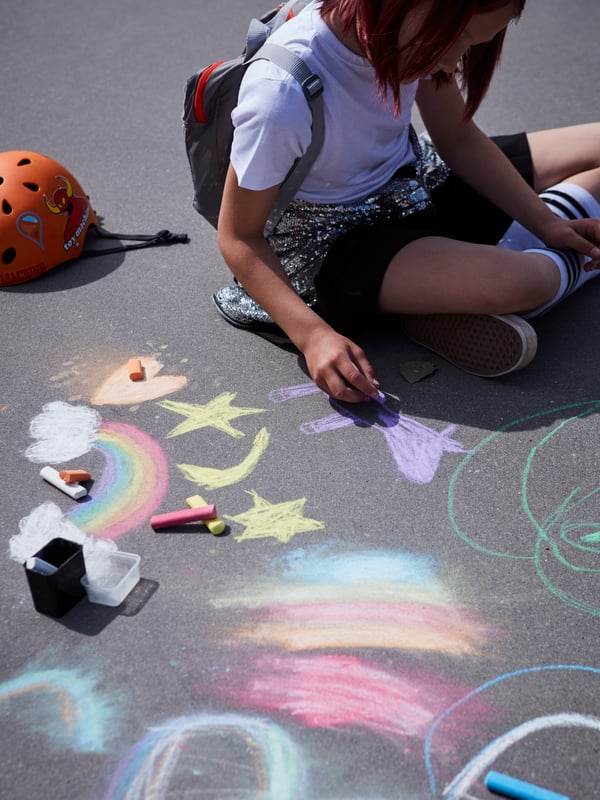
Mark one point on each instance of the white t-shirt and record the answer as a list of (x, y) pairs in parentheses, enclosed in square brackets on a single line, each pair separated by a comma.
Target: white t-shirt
[(364, 142)]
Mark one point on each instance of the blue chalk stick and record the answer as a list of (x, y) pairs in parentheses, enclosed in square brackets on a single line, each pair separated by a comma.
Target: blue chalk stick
[(520, 790)]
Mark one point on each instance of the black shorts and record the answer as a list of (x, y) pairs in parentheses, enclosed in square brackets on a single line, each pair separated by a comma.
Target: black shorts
[(349, 281)]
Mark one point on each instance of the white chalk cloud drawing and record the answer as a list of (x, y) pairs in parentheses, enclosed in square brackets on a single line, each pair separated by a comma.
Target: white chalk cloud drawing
[(62, 432)]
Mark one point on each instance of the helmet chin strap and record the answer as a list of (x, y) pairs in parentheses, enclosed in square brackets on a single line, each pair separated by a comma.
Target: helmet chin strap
[(161, 238)]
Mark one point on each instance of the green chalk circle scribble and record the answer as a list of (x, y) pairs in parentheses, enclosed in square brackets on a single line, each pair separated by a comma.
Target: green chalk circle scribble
[(567, 538)]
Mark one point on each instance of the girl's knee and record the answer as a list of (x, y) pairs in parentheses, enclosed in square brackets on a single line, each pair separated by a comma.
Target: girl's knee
[(528, 281), (539, 282)]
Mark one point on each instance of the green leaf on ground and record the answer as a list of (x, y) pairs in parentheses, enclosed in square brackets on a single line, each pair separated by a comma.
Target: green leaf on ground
[(413, 371)]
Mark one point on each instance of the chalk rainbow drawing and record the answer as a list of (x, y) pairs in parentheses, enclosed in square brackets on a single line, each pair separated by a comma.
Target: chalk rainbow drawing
[(416, 449), (460, 786), (334, 599), (344, 691), (347, 598), (134, 480), (132, 485), (275, 771), (566, 538), (78, 718)]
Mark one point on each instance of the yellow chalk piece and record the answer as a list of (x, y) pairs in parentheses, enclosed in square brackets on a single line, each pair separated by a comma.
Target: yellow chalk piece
[(216, 526)]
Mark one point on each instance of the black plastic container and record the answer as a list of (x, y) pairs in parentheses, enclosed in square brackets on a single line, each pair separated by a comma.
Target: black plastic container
[(55, 594)]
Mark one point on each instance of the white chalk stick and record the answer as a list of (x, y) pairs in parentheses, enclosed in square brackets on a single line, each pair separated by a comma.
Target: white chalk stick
[(39, 565), (74, 490)]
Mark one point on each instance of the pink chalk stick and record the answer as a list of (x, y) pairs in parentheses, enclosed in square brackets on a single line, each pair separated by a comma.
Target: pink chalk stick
[(181, 517)]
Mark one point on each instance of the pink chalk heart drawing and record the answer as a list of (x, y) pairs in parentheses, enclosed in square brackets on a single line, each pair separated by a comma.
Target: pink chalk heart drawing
[(119, 389)]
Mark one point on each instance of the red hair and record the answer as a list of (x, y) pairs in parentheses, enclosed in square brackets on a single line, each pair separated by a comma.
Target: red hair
[(377, 24)]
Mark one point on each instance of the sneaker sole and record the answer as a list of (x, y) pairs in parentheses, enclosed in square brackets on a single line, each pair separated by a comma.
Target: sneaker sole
[(486, 345)]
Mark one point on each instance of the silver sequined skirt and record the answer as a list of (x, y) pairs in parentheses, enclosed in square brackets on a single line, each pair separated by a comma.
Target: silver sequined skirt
[(306, 231)]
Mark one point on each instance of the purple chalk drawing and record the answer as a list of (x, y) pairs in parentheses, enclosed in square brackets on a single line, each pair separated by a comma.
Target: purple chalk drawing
[(292, 392), (330, 423), (416, 449)]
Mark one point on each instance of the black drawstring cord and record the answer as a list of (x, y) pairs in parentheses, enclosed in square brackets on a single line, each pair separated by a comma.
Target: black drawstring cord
[(163, 237)]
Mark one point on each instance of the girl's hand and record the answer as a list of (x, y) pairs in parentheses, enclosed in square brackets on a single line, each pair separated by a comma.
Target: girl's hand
[(582, 235), (339, 367)]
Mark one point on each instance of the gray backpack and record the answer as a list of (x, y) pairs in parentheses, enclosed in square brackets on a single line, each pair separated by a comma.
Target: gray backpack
[(211, 94)]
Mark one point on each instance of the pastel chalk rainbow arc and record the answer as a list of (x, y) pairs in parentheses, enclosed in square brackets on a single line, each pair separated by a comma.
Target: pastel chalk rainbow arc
[(274, 767), (321, 623), (131, 487), (70, 713)]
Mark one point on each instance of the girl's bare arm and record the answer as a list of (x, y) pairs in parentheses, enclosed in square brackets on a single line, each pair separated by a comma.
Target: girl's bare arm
[(475, 158), (337, 365)]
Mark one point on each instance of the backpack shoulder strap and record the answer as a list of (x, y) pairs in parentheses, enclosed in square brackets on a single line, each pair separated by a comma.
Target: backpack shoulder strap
[(313, 91), (261, 28)]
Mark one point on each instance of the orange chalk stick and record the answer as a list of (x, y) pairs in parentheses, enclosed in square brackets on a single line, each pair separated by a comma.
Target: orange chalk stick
[(74, 475), (136, 370)]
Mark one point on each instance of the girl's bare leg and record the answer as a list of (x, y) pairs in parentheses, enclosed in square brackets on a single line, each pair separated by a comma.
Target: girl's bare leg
[(459, 299), (440, 276), (571, 153), (435, 275)]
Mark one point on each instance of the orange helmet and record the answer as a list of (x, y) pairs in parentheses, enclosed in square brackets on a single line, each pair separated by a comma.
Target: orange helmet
[(44, 216)]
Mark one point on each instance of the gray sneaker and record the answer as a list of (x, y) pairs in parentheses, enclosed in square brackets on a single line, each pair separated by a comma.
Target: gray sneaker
[(487, 345)]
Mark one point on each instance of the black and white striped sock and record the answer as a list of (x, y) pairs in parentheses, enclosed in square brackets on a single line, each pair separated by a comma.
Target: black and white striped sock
[(569, 201)]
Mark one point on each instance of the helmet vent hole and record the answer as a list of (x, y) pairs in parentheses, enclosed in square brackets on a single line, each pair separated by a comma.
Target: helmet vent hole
[(23, 162), (1, 180), (33, 187), (6, 207), (9, 255)]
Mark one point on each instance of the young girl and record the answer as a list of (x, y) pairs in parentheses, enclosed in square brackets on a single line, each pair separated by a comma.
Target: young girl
[(385, 223)]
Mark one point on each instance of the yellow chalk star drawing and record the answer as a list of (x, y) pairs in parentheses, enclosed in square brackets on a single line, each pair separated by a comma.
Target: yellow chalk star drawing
[(279, 520), (212, 478), (215, 414)]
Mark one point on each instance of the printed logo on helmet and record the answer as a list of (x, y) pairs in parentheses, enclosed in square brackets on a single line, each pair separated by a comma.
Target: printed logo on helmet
[(76, 209)]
